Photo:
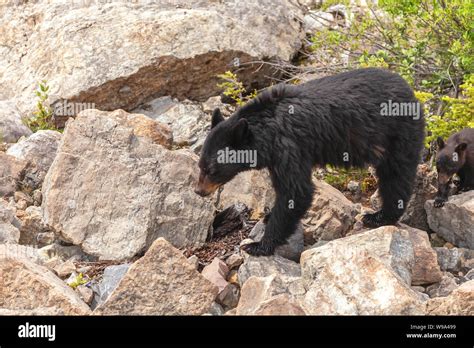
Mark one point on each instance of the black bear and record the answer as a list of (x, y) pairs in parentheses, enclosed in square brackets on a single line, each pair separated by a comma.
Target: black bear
[(455, 157), (352, 119)]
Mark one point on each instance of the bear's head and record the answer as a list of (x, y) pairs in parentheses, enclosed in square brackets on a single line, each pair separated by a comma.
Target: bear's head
[(449, 160), (222, 153)]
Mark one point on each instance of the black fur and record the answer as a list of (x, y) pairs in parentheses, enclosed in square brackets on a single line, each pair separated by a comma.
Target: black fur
[(455, 157), (332, 117)]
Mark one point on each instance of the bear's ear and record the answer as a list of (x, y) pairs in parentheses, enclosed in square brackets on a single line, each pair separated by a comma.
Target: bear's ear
[(216, 117), (460, 148), (240, 131), (440, 143)]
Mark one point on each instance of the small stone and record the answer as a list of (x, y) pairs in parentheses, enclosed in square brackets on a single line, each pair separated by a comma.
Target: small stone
[(436, 241), (233, 277), (216, 272), (469, 275), (85, 293), (21, 205), (229, 298), (444, 287), (19, 195), (448, 245), (234, 261), (353, 186), (418, 288), (215, 309), (37, 198), (194, 260), (65, 269)]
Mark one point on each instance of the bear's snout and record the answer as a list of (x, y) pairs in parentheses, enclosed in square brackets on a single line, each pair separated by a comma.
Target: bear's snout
[(205, 187)]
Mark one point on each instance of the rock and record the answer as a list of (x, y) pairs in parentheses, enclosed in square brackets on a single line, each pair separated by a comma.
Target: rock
[(113, 192), (367, 273), (7, 213), (268, 296), (28, 286), (19, 195), (436, 241), (317, 20), (291, 250), (389, 244), (12, 172), (40, 148), (425, 269), (9, 234), (358, 284), (65, 269), (34, 231), (21, 205), (459, 302), (194, 260), (119, 55), (160, 283), (452, 260), (443, 288), (267, 265), (354, 187), (143, 126), (37, 197), (423, 190), (331, 214), (11, 125), (469, 275), (229, 298), (234, 261), (187, 121), (216, 103), (252, 188), (62, 253), (110, 279), (216, 272), (17, 251), (233, 277), (454, 221), (216, 309), (85, 293)]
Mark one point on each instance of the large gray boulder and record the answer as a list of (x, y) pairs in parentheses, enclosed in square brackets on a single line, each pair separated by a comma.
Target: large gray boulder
[(112, 189), (119, 54)]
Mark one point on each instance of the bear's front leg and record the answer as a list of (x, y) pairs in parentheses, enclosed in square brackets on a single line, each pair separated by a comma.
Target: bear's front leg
[(289, 208)]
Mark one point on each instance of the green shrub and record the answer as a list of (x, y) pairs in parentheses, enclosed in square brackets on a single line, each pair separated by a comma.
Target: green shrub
[(43, 116), (234, 89)]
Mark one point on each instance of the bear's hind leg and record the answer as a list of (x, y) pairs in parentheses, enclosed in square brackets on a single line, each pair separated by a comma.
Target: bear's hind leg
[(395, 188)]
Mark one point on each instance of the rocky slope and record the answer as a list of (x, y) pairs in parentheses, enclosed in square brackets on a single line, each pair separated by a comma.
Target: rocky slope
[(101, 219)]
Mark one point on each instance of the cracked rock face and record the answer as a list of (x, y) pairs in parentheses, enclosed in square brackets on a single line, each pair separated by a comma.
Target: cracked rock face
[(120, 54), (455, 220), (113, 190)]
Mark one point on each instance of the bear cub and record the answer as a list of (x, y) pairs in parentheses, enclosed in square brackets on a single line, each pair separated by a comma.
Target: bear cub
[(353, 119), (456, 156)]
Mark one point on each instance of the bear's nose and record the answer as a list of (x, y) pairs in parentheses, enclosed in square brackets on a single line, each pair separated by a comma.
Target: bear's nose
[(201, 192)]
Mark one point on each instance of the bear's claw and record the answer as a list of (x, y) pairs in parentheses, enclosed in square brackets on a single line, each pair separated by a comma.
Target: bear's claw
[(258, 249), (439, 202)]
